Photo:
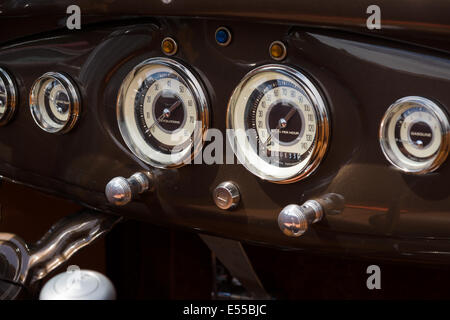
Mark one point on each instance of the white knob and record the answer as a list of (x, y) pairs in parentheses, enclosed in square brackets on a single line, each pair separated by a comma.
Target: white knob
[(76, 284)]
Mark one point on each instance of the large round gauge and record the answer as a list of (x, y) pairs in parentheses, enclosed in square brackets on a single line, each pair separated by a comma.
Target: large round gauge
[(415, 135), (55, 103), (162, 113), (8, 97), (278, 124)]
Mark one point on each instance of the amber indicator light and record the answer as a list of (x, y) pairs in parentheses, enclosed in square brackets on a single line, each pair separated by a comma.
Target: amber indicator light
[(169, 46), (277, 50)]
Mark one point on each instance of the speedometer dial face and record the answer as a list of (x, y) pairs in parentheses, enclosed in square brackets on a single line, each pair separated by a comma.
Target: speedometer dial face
[(162, 113), (414, 135), (278, 124)]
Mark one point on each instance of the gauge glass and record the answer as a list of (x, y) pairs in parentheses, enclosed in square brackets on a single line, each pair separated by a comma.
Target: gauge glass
[(54, 103), (278, 124), (3, 98), (7, 97), (162, 113), (414, 135)]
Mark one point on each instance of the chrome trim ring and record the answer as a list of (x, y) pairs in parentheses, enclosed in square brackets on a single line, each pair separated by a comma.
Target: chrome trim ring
[(322, 136), (10, 97), (394, 157), (199, 94), (74, 103)]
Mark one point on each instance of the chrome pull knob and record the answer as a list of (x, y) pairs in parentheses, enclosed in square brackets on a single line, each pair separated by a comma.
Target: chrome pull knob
[(120, 191), (294, 220), (226, 196)]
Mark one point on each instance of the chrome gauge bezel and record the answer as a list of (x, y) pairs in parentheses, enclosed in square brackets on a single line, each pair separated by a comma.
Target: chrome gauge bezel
[(72, 94), (440, 115), (11, 97), (322, 136), (199, 94)]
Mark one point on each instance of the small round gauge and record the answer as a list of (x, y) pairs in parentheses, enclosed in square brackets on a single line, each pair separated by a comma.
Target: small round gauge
[(278, 124), (414, 135), (54, 103), (8, 97), (162, 113)]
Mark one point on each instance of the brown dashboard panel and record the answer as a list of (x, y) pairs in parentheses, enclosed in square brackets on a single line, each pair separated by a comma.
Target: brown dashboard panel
[(386, 211)]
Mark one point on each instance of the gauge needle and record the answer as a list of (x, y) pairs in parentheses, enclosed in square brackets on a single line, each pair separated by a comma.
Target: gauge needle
[(166, 113), (287, 117), (282, 123), (418, 143), (173, 107)]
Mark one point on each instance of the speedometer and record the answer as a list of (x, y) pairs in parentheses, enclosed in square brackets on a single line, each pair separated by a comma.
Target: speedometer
[(162, 113), (278, 124)]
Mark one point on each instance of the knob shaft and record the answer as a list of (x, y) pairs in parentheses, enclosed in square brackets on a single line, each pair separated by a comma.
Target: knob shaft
[(120, 191)]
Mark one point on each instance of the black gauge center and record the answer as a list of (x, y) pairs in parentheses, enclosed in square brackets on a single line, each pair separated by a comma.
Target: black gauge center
[(421, 134), (62, 102), (285, 121), (169, 110)]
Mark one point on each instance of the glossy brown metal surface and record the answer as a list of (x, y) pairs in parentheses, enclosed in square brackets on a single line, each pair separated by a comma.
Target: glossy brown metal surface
[(421, 21), (387, 213)]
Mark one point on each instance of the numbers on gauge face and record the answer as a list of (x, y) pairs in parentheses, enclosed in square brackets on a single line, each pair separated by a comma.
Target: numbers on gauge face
[(282, 121), (279, 124), (165, 111), (162, 113)]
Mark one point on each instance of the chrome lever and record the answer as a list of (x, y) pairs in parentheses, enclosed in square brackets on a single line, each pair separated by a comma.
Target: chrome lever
[(24, 264)]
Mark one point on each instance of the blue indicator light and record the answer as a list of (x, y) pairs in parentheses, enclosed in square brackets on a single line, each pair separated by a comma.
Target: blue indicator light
[(221, 36)]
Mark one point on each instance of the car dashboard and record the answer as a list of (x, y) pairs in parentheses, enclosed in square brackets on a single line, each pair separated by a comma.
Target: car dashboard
[(214, 71)]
